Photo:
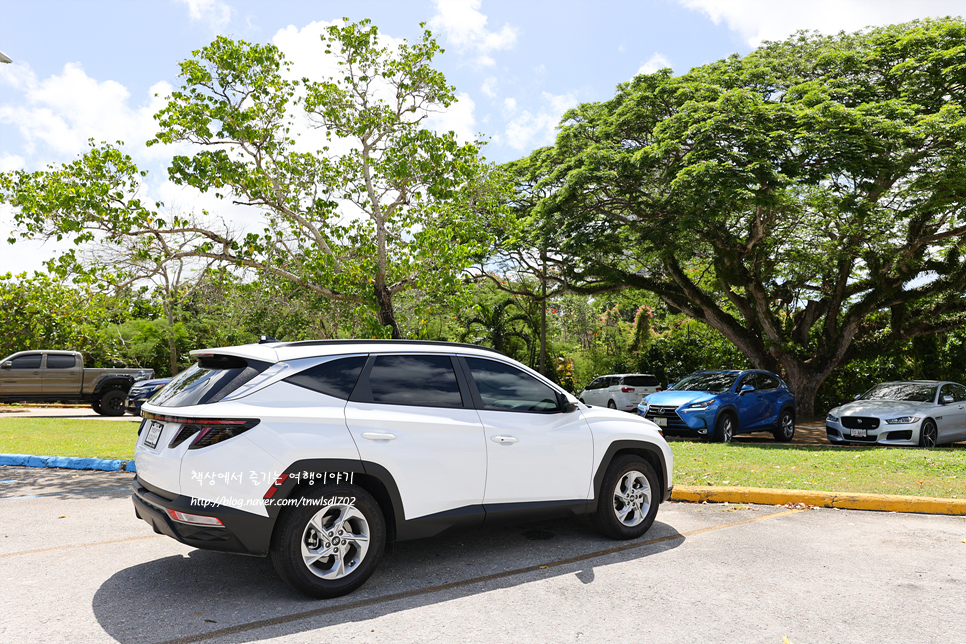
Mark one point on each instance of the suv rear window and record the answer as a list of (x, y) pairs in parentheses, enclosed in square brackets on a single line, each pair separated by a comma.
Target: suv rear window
[(208, 381), (640, 381), (334, 378)]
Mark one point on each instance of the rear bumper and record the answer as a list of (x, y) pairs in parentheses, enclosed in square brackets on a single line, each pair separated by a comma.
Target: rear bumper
[(243, 532)]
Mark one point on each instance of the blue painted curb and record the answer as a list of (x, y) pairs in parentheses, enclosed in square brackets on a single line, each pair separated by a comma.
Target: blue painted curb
[(68, 462)]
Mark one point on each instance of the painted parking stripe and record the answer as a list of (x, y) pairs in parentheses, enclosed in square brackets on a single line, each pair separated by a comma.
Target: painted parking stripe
[(385, 599)]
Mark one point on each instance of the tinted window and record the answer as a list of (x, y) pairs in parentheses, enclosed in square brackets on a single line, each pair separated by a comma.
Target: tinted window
[(711, 382), (415, 380), (594, 384), (29, 361), (959, 393), (55, 361), (208, 381), (946, 390), (901, 391), (767, 382), (333, 378), (506, 388), (640, 381)]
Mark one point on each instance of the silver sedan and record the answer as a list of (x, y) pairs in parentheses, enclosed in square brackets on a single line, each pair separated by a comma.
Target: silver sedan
[(918, 412)]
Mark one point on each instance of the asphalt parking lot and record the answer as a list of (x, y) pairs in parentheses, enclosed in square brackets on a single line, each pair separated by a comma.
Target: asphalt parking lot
[(77, 566)]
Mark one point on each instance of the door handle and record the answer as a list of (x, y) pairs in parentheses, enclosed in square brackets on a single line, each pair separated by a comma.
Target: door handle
[(504, 439), (378, 436)]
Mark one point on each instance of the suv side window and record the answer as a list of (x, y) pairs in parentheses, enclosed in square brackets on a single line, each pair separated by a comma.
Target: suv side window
[(29, 361), (334, 378), (60, 361), (506, 388), (749, 379), (425, 380), (596, 383), (766, 382)]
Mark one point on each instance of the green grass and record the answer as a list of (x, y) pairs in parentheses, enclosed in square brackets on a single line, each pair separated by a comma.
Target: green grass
[(939, 472), (68, 437)]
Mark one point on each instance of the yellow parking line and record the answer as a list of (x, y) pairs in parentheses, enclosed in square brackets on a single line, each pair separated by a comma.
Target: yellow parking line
[(79, 545)]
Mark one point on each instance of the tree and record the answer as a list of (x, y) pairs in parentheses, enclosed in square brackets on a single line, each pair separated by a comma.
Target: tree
[(386, 206), (497, 326), (807, 200)]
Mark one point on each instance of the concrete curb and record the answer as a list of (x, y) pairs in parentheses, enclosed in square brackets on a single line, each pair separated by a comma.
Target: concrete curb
[(849, 501), (68, 462)]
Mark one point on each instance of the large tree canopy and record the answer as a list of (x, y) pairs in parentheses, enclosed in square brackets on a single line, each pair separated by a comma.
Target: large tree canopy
[(384, 206), (806, 200)]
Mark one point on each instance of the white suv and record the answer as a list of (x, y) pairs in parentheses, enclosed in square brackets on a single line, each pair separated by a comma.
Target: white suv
[(622, 391), (323, 453)]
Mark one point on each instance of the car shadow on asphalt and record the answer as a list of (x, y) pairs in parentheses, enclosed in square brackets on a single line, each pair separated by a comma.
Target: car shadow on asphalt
[(27, 482), (206, 595)]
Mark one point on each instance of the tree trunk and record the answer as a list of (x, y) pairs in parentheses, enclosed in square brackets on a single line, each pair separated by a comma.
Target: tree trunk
[(387, 316), (172, 341)]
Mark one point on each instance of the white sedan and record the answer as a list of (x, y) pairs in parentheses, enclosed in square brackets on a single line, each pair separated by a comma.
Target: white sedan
[(918, 412)]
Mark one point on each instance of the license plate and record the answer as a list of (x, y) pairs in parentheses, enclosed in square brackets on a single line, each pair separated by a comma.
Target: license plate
[(860, 433), (661, 421), (154, 433)]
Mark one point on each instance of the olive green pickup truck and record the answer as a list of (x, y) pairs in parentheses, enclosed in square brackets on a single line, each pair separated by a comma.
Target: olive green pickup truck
[(60, 376)]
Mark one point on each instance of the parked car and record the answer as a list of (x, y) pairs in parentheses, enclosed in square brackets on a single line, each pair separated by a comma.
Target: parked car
[(141, 392), (918, 412), (60, 376), (322, 453), (619, 390), (720, 404)]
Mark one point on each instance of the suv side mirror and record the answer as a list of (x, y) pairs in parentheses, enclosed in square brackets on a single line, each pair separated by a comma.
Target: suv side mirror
[(7, 365), (745, 389), (564, 404), (946, 400)]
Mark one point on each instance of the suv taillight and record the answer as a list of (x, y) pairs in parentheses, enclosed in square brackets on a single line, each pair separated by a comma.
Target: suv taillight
[(659, 389), (627, 390), (206, 431)]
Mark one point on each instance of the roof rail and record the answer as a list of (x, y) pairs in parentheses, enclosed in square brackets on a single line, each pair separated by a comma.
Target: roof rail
[(318, 343)]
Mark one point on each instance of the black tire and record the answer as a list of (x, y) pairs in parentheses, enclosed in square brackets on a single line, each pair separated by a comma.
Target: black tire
[(724, 428), (928, 434), (786, 427), (361, 516), (637, 502), (112, 403), (611, 404), (96, 406)]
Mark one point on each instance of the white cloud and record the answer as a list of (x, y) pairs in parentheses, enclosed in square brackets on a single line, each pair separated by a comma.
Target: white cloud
[(529, 129), (9, 162), (510, 104), (654, 63), (214, 13), (63, 111), (458, 117), (489, 87), (758, 20), (464, 27)]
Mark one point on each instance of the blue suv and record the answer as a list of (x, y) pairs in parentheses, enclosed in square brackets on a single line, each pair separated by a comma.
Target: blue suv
[(720, 404)]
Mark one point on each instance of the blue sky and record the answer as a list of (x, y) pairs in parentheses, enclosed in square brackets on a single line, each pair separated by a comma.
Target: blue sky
[(91, 68)]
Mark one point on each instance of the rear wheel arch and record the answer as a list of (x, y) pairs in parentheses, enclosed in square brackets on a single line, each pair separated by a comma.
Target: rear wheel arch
[(373, 478)]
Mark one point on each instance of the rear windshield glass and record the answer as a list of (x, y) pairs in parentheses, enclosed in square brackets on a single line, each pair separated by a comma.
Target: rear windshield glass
[(640, 381), (901, 391), (712, 382), (209, 380)]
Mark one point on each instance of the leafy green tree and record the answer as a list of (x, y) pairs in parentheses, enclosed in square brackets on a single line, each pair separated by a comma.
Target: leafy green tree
[(385, 207), (496, 325), (806, 201)]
